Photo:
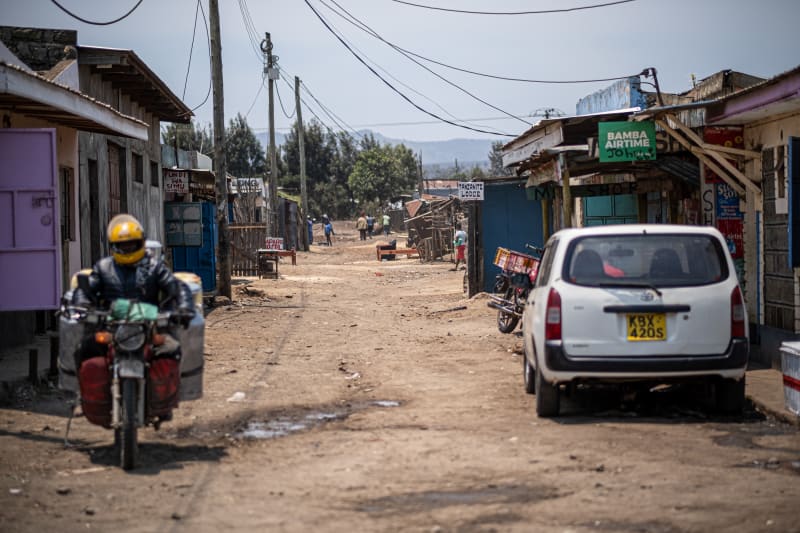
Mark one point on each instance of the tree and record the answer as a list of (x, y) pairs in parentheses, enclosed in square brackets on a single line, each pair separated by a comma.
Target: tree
[(383, 173), (191, 137), (496, 160), (245, 155)]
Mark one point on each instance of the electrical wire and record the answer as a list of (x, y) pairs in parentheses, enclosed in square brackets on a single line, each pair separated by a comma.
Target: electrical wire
[(280, 100), (208, 40), (450, 82), (392, 87), (336, 119), (260, 88), (369, 31), (374, 63), (95, 23), (541, 12), (311, 110), (191, 49), (250, 29)]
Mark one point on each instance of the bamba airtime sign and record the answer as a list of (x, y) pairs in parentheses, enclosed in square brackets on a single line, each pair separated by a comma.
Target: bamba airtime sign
[(626, 141)]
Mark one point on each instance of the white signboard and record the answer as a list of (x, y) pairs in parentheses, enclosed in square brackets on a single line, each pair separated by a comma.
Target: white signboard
[(176, 181), (470, 190), (273, 243)]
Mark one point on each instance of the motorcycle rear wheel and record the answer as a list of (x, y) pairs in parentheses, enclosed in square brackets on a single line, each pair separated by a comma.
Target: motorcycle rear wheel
[(506, 322), (128, 446)]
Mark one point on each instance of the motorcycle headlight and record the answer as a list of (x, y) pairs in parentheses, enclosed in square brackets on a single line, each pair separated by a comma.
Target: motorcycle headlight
[(130, 337)]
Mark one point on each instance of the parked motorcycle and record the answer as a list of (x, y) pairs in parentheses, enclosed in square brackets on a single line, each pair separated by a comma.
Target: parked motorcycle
[(513, 284), (131, 377)]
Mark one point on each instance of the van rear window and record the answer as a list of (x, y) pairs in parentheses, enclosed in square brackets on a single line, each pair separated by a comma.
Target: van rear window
[(660, 260)]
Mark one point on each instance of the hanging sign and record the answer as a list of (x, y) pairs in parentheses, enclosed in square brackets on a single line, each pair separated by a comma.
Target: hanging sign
[(626, 141), (470, 190), (176, 181)]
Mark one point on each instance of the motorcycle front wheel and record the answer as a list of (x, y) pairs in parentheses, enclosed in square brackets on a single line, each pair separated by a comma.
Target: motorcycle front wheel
[(506, 322), (126, 434)]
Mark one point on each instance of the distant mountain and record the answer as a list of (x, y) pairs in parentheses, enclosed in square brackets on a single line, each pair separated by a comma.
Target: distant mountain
[(468, 152)]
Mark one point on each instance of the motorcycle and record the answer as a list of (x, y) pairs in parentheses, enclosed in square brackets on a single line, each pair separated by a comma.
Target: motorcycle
[(513, 284), (131, 377)]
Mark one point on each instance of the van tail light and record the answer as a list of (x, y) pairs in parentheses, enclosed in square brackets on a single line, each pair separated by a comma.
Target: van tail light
[(737, 313), (552, 321)]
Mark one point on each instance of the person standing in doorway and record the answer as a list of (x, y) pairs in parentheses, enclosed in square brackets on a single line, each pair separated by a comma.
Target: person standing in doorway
[(460, 244), (370, 225), (386, 223), (361, 226)]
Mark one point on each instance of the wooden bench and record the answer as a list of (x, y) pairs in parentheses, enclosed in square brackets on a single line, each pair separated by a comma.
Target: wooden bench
[(265, 257), (408, 252)]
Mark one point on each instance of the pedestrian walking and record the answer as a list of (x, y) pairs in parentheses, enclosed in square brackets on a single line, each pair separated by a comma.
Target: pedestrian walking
[(310, 227), (361, 226), (386, 223), (460, 244), (329, 233), (370, 225)]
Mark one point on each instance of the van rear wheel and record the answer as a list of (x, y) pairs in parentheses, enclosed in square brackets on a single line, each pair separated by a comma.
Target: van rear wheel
[(547, 396), (729, 395)]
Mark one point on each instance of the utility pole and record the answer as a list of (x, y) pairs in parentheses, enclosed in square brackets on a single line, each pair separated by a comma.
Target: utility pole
[(272, 75), (220, 163), (420, 175), (301, 143)]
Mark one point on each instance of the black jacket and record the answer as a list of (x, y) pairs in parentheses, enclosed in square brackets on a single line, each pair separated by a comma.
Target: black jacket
[(145, 281)]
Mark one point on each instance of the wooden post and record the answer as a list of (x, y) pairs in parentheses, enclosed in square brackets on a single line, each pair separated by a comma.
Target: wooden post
[(272, 229), (565, 190), (33, 365), (545, 221), (220, 163), (302, 149)]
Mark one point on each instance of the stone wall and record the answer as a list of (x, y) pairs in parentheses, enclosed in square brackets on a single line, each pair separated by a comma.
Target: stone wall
[(38, 48)]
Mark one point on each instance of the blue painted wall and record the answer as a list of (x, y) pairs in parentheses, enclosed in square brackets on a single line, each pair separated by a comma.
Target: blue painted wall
[(619, 95), (509, 220), (200, 259)]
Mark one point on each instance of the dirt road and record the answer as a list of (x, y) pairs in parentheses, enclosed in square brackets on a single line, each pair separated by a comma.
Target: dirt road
[(353, 395)]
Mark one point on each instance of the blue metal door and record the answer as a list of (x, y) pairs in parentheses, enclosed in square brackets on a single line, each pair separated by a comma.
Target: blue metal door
[(509, 220), (201, 260)]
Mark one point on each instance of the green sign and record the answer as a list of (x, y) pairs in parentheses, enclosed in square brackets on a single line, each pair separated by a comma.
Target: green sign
[(626, 141)]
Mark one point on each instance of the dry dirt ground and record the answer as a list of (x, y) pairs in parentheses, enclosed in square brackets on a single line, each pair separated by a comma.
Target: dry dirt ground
[(357, 395)]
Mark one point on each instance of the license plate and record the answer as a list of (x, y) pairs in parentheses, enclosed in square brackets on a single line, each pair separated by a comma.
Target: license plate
[(647, 327), (130, 368)]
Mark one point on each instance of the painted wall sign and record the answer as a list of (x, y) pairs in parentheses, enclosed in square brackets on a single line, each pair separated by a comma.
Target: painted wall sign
[(470, 190), (626, 141), (176, 181), (729, 136), (585, 191)]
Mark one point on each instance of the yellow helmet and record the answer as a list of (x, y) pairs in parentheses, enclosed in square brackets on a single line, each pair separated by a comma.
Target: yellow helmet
[(126, 239)]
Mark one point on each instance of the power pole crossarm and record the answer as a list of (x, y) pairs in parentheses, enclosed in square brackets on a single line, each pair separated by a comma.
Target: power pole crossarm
[(220, 162)]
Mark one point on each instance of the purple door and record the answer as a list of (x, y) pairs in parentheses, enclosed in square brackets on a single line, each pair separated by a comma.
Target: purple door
[(30, 255)]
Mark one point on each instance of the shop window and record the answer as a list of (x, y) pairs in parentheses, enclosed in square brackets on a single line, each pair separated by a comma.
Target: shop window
[(154, 174), (138, 168)]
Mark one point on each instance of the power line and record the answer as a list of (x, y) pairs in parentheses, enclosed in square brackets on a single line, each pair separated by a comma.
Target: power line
[(395, 78), (191, 49), (260, 88), (250, 29), (541, 12), (208, 40), (336, 119), (285, 114), (406, 98), (369, 31), (95, 23), (429, 70)]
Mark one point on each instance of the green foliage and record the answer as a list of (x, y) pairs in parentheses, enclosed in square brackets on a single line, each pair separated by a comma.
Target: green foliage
[(191, 137), (244, 154), (383, 173), (496, 160)]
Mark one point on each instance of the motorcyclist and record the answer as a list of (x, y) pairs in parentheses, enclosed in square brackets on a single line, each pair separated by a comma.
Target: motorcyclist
[(131, 272)]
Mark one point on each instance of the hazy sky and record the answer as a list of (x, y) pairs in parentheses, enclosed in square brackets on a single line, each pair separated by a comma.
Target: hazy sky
[(677, 37)]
